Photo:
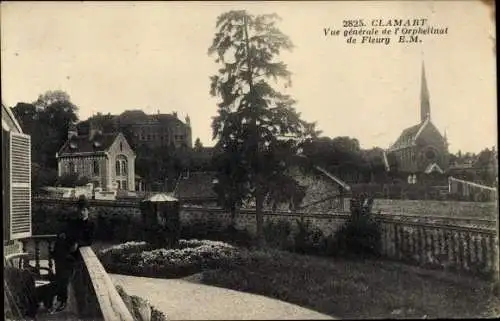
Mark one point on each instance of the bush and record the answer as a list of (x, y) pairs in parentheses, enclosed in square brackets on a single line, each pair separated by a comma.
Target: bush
[(277, 234), (190, 256), (135, 303), (308, 239), (359, 236)]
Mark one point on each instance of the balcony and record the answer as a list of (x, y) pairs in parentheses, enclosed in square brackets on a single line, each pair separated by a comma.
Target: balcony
[(91, 296)]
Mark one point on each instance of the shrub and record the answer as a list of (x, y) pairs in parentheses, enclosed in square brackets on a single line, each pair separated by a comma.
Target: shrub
[(308, 239), (359, 236), (277, 234), (135, 303)]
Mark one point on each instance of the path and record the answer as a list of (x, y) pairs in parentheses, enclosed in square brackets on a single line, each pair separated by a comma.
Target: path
[(183, 300)]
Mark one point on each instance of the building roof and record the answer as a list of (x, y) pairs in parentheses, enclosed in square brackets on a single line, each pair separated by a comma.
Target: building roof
[(407, 137), (138, 116), (9, 121), (82, 144)]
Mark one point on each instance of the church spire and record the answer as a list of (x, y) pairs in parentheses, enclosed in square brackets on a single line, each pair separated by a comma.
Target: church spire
[(425, 107)]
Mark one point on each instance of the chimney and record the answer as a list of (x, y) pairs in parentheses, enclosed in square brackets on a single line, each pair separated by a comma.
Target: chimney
[(72, 130)]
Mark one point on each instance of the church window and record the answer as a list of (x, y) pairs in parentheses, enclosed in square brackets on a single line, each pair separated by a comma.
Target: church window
[(117, 167)]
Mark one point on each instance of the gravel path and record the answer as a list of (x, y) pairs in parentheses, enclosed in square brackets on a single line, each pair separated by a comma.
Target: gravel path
[(183, 300)]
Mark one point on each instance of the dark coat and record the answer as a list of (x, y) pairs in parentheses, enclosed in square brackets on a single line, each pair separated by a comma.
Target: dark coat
[(77, 232)]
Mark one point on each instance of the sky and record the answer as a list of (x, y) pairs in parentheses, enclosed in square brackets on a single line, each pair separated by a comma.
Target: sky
[(116, 56)]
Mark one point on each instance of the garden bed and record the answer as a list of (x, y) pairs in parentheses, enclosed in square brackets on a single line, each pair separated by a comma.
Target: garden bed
[(189, 257)]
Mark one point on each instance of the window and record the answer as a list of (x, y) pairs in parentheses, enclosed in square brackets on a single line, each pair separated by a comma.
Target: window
[(124, 185), (121, 146), (96, 167), (71, 168), (117, 167), (118, 184), (124, 167)]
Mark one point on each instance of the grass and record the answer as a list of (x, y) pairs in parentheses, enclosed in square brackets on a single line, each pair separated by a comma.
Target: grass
[(356, 289)]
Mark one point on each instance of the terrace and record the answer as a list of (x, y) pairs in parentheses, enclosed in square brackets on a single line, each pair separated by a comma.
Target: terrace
[(92, 295)]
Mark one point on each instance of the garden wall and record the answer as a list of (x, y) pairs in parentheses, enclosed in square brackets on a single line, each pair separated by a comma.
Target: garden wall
[(452, 244)]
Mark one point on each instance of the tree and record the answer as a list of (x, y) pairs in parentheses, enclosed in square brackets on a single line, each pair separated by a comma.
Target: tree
[(197, 144), (47, 120), (257, 127), (49, 97)]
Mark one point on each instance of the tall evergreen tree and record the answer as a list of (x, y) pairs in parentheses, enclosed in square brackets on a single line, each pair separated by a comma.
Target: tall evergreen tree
[(257, 126)]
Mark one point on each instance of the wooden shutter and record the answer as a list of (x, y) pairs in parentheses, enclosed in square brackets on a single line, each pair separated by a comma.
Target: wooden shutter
[(20, 185)]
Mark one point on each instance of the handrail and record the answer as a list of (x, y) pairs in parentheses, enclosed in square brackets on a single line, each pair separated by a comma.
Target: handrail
[(110, 302)]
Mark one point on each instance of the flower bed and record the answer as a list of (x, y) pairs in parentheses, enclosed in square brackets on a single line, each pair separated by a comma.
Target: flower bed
[(189, 257)]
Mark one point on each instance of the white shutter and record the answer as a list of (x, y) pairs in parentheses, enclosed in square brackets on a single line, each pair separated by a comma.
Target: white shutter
[(20, 185)]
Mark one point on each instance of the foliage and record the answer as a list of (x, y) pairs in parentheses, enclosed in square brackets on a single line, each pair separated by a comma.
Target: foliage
[(360, 235), (190, 256), (47, 120), (134, 304), (197, 144), (111, 224), (308, 239), (41, 177), (257, 126), (72, 180), (277, 234)]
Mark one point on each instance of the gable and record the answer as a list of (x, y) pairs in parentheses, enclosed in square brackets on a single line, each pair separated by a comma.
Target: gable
[(120, 145), (407, 137), (430, 134)]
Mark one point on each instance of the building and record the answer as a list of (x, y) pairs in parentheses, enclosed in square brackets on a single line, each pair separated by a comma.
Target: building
[(16, 180), (156, 130), (106, 159), (421, 148)]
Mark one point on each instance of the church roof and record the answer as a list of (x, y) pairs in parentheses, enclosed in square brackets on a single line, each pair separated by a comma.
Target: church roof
[(82, 144), (407, 137)]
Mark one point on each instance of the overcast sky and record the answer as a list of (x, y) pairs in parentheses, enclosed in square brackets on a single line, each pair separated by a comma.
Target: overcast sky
[(111, 57)]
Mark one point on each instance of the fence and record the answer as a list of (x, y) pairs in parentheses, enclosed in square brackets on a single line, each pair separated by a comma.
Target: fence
[(455, 244)]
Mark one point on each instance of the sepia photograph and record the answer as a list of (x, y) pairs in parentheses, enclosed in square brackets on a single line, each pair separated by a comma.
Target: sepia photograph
[(246, 160)]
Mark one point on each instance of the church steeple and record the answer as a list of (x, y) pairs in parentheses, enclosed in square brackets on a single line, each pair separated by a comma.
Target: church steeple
[(425, 106)]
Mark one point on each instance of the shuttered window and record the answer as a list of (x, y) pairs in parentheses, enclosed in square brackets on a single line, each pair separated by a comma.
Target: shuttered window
[(20, 185)]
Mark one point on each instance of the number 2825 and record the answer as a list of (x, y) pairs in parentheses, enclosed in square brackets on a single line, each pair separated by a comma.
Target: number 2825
[(353, 23)]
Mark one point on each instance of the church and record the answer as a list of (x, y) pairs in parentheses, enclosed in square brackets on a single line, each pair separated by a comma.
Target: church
[(421, 148)]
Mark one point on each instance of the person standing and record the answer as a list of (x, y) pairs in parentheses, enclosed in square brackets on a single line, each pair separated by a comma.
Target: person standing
[(78, 233)]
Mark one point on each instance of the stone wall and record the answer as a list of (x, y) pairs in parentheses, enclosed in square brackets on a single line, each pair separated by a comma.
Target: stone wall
[(245, 219)]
